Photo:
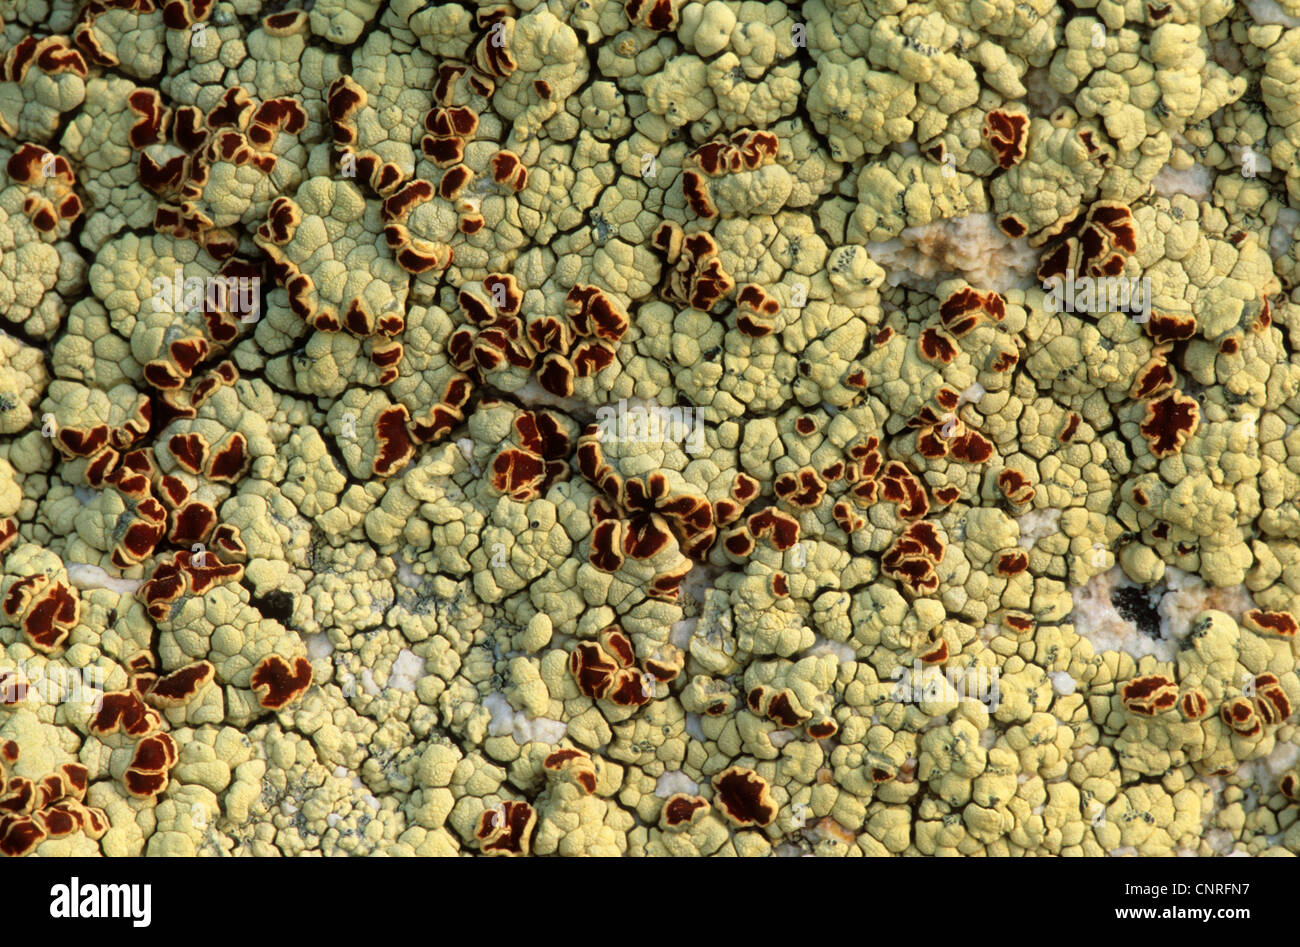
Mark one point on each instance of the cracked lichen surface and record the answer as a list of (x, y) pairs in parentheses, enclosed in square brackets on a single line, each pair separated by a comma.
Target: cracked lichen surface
[(584, 428)]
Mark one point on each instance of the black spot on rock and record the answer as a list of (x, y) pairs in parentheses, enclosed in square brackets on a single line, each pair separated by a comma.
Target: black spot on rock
[(1133, 605), (277, 605)]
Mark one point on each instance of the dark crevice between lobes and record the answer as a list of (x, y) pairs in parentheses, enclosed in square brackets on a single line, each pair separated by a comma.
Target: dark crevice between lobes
[(277, 605)]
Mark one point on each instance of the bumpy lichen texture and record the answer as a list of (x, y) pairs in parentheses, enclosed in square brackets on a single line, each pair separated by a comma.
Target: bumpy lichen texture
[(649, 428)]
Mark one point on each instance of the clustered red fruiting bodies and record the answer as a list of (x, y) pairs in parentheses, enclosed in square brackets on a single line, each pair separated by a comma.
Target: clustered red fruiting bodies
[(449, 127), (962, 311), (1155, 376), (152, 498), (1007, 135), (508, 168), (1149, 695), (1012, 563), (743, 797), (861, 465), (541, 459), (146, 530), (158, 508), (866, 478), (598, 323), (506, 829), (50, 808), (936, 346), (125, 712), (175, 689), (438, 421), (1271, 702), (345, 98), (959, 314), (397, 434), (45, 609), (192, 521), (378, 330), (637, 518), (682, 810), (946, 435), (490, 55), (83, 34), (172, 374), (184, 573), (228, 460), (155, 118), (574, 765), (578, 345), (1241, 715), (134, 474), (195, 521), (526, 470), (781, 706), (744, 490), (904, 489), (234, 131), (1193, 705), (182, 14), (151, 764), (913, 557), (148, 773), (1266, 705), (697, 278), (755, 311), (847, 518), (51, 181), (1169, 421), (102, 446), (278, 682), (657, 15), (803, 489), (745, 151), (1014, 227), (1015, 487), (412, 253), (496, 335), (1106, 239), (51, 54), (1275, 624), (781, 529), (605, 669), (1170, 417)]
